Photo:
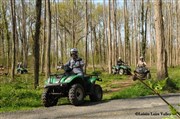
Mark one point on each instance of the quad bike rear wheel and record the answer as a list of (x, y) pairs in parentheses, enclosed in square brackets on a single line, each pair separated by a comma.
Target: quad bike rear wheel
[(76, 94), (49, 99), (97, 93)]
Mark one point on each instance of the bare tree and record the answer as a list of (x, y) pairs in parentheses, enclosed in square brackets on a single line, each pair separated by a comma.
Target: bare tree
[(105, 32), (7, 36), (13, 39), (114, 31), (36, 43), (160, 40), (126, 33), (25, 48), (86, 36), (109, 40), (43, 48), (48, 43), (177, 34)]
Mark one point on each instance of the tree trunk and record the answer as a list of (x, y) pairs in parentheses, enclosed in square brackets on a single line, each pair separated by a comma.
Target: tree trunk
[(7, 37), (91, 38), (73, 32), (36, 43), (109, 39), (86, 36), (143, 46), (56, 35), (177, 34), (160, 40), (13, 39), (135, 56), (114, 31), (126, 32), (104, 33), (25, 49), (48, 43), (44, 41)]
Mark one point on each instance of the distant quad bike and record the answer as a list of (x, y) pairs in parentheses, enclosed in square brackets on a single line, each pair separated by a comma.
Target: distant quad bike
[(121, 69), (21, 70), (141, 73), (72, 86)]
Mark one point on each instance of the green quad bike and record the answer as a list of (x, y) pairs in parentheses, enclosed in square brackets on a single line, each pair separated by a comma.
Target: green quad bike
[(121, 69), (72, 86)]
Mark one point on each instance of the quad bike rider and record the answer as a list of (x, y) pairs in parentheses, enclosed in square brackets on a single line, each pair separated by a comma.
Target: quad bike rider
[(141, 71), (72, 84), (121, 68), (21, 69)]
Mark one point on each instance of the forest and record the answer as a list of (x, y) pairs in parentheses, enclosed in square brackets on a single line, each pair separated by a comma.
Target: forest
[(41, 33), (38, 36)]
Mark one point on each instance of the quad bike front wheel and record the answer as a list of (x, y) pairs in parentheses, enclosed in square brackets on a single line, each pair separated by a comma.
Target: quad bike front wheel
[(25, 71), (148, 75), (134, 77), (76, 94), (49, 99), (114, 71), (121, 71), (97, 93)]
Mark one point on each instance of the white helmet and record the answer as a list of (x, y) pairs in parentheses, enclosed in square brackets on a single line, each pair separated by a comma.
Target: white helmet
[(141, 57), (119, 58), (74, 51)]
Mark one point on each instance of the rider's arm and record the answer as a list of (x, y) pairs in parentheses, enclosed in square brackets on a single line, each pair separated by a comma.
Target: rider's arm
[(144, 63), (122, 62), (139, 63), (66, 64)]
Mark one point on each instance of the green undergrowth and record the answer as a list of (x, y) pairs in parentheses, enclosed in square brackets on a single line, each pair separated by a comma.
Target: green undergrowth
[(21, 95), (168, 85)]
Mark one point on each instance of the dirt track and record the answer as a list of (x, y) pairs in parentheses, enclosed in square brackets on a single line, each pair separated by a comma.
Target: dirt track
[(150, 107)]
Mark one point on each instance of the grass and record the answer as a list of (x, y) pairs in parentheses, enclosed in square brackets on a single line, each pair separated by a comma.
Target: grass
[(18, 94), (21, 95), (131, 92)]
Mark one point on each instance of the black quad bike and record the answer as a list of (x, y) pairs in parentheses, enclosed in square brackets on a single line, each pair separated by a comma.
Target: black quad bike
[(21, 70), (141, 73), (72, 86)]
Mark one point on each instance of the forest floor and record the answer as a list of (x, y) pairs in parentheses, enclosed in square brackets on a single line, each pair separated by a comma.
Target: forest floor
[(21, 95), (119, 85)]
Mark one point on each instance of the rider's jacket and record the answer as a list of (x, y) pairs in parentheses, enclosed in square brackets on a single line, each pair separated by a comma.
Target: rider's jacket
[(141, 63), (120, 62), (76, 65)]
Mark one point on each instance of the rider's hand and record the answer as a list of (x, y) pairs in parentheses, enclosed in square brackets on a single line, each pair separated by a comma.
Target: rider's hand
[(76, 66)]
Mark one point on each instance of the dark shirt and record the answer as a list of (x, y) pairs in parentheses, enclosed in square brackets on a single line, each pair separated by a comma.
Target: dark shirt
[(120, 62)]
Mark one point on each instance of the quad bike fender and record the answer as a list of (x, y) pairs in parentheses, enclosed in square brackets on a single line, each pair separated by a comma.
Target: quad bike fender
[(94, 79), (71, 78), (124, 67), (52, 80), (115, 67)]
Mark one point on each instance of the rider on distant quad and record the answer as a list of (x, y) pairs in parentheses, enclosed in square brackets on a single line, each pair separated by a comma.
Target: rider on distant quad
[(19, 65), (75, 63), (141, 62), (120, 62), (141, 71)]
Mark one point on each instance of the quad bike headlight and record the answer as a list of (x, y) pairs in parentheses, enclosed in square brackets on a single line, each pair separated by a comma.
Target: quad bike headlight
[(49, 80), (68, 79)]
